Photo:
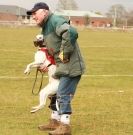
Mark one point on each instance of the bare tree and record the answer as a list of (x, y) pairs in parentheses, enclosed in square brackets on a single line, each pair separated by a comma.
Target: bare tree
[(130, 18), (117, 13), (67, 5)]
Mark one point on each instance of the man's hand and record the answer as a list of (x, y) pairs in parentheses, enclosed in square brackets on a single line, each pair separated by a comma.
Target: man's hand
[(62, 58), (43, 68)]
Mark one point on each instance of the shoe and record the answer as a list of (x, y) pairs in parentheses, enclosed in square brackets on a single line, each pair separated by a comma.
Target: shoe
[(63, 129), (52, 125)]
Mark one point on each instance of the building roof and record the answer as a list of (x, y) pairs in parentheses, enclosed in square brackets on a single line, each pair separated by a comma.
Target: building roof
[(78, 13), (16, 10)]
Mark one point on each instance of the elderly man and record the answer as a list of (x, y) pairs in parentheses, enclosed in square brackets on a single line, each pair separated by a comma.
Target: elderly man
[(61, 41)]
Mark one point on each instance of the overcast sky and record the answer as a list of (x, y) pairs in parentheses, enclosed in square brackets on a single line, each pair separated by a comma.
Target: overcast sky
[(93, 5)]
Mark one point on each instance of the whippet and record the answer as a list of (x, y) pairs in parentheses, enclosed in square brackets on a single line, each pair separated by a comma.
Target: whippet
[(43, 61)]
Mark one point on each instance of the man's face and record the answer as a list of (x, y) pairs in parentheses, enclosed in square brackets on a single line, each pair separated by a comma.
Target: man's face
[(40, 15)]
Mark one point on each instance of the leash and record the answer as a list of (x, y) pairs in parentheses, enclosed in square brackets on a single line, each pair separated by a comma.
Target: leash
[(33, 92)]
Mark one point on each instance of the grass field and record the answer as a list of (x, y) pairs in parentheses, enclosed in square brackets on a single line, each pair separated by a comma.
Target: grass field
[(103, 104)]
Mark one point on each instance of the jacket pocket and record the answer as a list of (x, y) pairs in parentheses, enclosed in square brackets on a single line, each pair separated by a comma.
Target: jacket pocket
[(62, 69)]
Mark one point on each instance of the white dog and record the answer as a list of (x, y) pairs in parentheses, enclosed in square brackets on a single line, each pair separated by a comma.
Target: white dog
[(42, 61)]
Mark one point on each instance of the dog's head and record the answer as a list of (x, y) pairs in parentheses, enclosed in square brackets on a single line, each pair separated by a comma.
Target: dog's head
[(39, 41)]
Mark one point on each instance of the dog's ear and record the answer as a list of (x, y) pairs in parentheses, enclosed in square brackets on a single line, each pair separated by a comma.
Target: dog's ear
[(35, 43)]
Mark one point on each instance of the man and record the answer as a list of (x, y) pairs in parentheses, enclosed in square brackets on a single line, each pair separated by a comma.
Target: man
[(61, 41)]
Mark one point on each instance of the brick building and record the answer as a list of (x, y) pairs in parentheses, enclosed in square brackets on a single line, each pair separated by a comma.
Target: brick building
[(81, 18), (12, 13)]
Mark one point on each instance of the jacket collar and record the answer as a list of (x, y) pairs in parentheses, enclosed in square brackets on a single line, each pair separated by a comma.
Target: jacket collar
[(46, 19)]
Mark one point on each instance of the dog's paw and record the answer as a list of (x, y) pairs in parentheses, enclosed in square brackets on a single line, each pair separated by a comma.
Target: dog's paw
[(36, 108), (27, 71)]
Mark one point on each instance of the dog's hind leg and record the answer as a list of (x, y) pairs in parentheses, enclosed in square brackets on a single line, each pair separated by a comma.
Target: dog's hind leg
[(42, 98), (44, 93)]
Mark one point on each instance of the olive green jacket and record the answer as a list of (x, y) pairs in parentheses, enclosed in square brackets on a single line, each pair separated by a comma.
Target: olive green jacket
[(60, 36)]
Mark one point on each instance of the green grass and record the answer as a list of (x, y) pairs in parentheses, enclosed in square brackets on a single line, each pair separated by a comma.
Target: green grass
[(102, 104)]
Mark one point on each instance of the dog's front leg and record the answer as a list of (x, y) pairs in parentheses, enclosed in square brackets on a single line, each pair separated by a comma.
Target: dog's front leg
[(31, 65), (27, 70)]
